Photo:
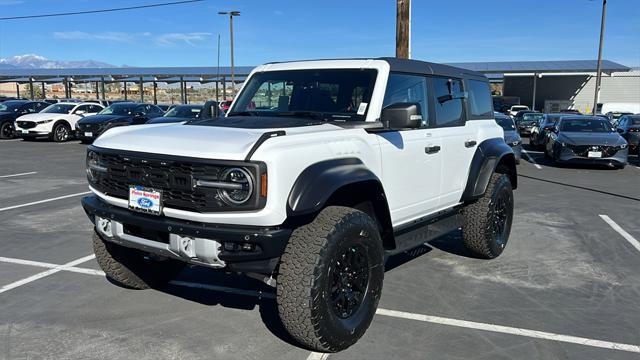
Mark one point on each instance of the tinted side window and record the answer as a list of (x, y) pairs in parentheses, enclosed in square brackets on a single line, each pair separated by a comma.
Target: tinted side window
[(94, 109), (140, 109), (403, 88), (448, 111), (480, 103)]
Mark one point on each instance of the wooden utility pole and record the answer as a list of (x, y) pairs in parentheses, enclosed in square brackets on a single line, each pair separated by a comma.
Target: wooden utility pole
[(403, 28)]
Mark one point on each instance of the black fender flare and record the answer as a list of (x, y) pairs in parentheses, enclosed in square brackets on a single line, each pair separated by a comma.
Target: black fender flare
[(489, 154), (318, 182)]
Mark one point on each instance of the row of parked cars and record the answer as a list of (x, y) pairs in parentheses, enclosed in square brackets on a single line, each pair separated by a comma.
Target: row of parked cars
[(62, 121), (575, 138)]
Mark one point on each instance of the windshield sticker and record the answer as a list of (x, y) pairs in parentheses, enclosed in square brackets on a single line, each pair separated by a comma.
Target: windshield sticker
[(362, 108)]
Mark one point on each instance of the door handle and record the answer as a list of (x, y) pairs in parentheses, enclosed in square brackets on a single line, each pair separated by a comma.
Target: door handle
[(432, 149), (470, 143)]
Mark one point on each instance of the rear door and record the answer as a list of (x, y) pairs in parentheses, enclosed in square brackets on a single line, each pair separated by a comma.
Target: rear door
[(459, 137), (411, 159)]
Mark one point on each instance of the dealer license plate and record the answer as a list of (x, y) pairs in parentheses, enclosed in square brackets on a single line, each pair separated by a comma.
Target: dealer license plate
[(145, 200), (88, 134), (594, 154)]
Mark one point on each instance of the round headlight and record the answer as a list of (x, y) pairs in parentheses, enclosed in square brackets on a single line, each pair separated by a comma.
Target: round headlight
[(623, 146), (239, 186)]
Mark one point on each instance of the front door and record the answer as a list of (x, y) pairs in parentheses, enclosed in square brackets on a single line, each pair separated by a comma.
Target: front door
[(411, 159)]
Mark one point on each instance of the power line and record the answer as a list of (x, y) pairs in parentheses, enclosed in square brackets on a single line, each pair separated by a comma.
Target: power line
[(100, 10)]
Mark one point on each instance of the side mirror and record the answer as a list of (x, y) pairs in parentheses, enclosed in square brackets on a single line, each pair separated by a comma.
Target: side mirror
[(80, 112), (402, 116)]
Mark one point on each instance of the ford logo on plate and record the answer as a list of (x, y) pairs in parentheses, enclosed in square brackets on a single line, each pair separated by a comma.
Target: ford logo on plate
[(145, 203)]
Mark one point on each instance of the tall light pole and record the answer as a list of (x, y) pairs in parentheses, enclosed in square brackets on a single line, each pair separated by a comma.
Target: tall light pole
[(231, 15), (599, 70), (218, 71)]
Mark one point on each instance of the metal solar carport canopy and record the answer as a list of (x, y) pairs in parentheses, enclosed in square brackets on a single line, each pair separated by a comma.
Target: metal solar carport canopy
[(121, 74), (541, 67)]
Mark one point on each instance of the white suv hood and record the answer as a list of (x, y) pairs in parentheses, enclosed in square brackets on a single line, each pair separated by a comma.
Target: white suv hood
[(40, 117), (210, 142)]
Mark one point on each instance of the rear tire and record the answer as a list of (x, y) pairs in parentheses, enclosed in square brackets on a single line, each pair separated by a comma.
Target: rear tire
[(129, 267), (6, 130), (330, 279), (487, 222)]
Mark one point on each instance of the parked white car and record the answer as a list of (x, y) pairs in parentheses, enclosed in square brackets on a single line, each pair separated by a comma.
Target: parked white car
[(515, 108), (56, 121)]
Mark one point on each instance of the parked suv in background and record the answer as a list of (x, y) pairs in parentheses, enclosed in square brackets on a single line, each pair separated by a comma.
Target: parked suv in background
[(629, 127), (10, 110), (117, 114), (56, 121), (319, 170)]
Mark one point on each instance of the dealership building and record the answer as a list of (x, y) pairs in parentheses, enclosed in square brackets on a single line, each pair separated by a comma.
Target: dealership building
[(544, 85)]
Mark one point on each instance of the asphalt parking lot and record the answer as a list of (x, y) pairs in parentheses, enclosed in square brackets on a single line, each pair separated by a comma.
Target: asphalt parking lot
[(567, 286)]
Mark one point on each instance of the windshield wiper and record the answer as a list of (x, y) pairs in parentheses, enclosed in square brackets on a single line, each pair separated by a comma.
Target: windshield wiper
[(308, 114)]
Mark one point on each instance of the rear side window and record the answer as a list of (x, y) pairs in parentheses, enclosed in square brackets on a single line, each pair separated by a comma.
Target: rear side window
[(448, 111), (480, 103), (403, 88)]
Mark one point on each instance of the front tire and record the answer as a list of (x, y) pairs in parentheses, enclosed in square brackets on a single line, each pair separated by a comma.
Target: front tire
[(61, 132), (129, 267), (330, 279), (487, 222)]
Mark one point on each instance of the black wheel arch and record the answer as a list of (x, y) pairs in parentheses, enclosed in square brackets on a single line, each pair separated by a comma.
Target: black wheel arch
[(340, 182), (492, 155)]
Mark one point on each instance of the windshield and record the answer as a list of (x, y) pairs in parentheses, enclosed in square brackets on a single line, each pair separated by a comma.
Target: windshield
[(585, 125), (58, 109), (10, 106), (322, 94), (184, 112), (519, 108), (532, 117), (506, 123), (118, 109)]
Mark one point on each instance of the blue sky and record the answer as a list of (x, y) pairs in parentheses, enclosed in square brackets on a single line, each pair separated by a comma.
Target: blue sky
[(276, 30)]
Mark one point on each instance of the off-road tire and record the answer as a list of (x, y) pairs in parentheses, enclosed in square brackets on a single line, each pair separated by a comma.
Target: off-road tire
[(129, 267), (55, 132), (307, 271), (477, 233), (5, 130)]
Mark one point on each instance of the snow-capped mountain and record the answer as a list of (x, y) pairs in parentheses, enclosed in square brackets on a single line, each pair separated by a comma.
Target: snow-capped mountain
[(33, 61)]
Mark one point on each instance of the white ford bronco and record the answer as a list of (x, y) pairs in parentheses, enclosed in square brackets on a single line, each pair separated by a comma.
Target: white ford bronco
[(317, 173)]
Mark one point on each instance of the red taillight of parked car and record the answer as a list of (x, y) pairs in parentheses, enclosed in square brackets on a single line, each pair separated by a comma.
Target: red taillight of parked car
[(634, 130)]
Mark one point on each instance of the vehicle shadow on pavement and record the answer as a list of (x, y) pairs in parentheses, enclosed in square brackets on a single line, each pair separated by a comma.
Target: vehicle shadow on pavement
[(266, 303)]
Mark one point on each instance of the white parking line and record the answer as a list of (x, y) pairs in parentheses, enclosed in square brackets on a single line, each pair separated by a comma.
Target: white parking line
[(318, 356), (20, 174), (533, 161), (51, 266), (44, 201), (56, 269), (510, 330), (621, 231), (383, 312)]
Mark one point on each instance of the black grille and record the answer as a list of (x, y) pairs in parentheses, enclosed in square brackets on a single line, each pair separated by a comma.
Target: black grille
[(175, 178), (95, 128), (26, 124), (583, 150)]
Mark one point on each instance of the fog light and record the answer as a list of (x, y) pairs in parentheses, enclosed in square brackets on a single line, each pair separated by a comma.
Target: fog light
[(247, 247)]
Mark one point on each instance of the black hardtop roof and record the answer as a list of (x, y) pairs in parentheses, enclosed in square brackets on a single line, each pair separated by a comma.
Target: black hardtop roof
[(428, 68), (414, 67)]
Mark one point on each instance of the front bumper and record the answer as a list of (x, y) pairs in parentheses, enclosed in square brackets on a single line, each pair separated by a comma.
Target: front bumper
[(237, 248), (567, 155)]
